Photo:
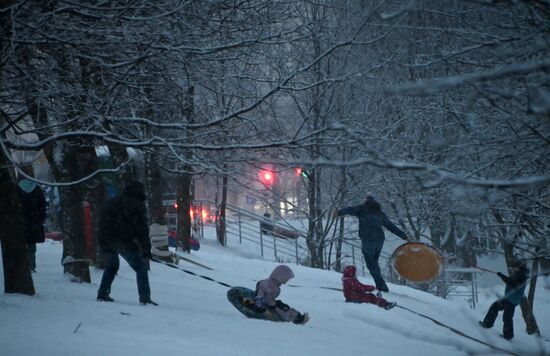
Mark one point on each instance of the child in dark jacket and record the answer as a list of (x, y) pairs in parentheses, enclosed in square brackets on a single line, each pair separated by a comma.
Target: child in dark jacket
[(513, 295), (356, 292)]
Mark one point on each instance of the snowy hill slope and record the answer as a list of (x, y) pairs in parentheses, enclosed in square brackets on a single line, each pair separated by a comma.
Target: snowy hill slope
[(194, 317)]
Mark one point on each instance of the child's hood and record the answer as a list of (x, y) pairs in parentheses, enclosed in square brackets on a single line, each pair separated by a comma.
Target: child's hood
[(349, 271), (282, 274)]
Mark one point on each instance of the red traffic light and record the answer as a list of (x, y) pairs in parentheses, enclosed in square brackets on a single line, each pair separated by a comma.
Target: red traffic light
[(300, 172), (267, 177)]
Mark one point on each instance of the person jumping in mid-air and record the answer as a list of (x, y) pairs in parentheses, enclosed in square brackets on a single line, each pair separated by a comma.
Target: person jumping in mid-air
[(371, 219), (357, 292)]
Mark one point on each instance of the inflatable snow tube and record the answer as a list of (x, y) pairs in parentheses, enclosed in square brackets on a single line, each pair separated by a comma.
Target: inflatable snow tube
[(417, 262), (243, 300)]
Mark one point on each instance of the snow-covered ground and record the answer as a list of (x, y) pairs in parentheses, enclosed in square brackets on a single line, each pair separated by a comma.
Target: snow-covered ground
[(195, 318)]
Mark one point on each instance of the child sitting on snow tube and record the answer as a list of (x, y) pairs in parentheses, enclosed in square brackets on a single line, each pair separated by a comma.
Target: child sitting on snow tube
[(268, 290)]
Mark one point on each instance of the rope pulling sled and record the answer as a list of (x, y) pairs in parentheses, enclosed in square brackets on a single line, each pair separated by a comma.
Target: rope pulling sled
[(435, 321)]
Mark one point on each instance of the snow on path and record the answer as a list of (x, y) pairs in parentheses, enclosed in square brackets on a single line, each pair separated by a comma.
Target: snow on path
[(194, 317)]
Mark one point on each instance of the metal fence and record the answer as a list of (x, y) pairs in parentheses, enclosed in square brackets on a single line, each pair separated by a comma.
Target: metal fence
[(461, 282), (245, 226)]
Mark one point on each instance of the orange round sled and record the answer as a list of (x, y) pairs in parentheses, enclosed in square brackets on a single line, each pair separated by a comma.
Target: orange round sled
[(417, 262)]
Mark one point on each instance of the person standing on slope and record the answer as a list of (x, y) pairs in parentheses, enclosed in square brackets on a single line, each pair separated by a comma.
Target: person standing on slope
[(371, 219), (33, 206), (513, 295), (124, 230)]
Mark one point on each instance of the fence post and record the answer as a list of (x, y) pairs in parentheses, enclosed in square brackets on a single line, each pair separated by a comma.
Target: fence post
[(262, 243), (296, 244), (240, 232), (473, 276), (274, 247), (476, 290), (327, 258)]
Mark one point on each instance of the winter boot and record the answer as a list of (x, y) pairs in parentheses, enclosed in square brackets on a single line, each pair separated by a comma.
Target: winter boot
[(483, 325), (301, 319), (104, 298), (389, 305), (383, 288), (147, 301)]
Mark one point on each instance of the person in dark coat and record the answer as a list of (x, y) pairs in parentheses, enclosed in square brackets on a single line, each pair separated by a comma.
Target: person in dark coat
[(33, 205), (513, 295), (266, 227), (371, 219), (124, 230)]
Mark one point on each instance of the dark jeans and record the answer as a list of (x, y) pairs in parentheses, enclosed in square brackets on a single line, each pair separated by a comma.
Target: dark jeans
[(135, 260), (371, 251), (507, 317), (31, 256)]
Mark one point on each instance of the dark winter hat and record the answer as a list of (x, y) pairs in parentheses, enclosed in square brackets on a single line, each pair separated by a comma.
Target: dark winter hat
[(522, 266), (372, 204), (135, 189)]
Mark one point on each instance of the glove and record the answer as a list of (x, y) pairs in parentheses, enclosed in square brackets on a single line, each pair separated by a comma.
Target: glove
[(259, 304), (282, 305)]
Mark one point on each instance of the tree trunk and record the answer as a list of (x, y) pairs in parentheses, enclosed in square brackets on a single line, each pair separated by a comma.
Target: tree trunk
[(183, 199), (72, 197), (314, 233), (529, 318), (526, 307), (17, 275), (97, 199), (338, 265), (220, 221), (153, 186), (436, 233), (184, 181), (527, 304)]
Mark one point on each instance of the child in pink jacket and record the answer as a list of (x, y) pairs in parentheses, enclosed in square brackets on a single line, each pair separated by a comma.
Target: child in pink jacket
[(268, 290), (356, 292)]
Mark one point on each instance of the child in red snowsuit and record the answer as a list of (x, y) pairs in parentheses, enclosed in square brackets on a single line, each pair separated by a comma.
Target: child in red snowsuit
[(356, 292)]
